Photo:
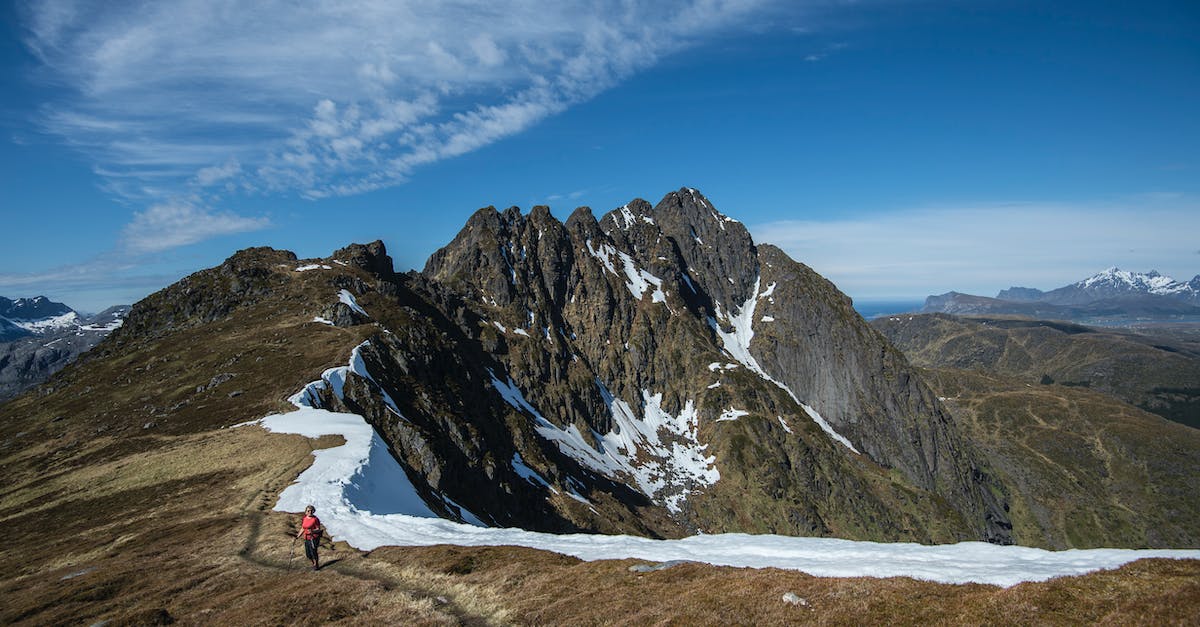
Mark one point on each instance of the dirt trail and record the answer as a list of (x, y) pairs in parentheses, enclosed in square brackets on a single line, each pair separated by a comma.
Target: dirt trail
[(260, 550)]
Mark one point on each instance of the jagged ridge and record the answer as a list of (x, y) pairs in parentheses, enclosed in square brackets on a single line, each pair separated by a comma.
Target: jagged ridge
[(651, 372)]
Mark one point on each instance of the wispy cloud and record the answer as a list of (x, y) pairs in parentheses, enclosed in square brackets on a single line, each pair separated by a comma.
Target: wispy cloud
[(170, 225), (982, 249), (331, 98), (95, 284), (187, 108), (825, 52)]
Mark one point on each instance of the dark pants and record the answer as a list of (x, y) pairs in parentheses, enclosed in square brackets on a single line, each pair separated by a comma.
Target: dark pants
[(310, 548)]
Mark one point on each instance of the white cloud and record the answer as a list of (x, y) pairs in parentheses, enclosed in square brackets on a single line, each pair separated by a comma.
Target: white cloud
[(214, 174), (985, 248), (175, 224), (332, 98), (486, 50)]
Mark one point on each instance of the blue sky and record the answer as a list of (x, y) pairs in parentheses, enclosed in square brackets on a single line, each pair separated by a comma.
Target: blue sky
[(899, 148)]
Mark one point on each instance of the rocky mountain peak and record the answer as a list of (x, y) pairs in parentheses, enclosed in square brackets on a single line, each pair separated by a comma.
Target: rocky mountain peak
[(371, 257), (540, 214), (581, 219), (1021, 294), (718, 251), (650, 372), (35, 308), (669, 312), (627, 216)]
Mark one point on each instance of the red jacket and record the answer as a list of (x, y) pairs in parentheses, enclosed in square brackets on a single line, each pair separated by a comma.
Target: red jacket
[(312, 527)]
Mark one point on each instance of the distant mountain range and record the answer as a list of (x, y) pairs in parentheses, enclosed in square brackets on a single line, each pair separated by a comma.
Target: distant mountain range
[(38, 337), (1113, 293)]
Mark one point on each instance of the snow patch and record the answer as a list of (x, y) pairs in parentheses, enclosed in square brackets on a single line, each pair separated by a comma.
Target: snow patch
[(732, 414), (627, 215), (529, 474), (50, 323), (826, 427), (313, 266), (111, 326), (660, 453), (687, 279), (783, 423), (638, 280), (348, 299)]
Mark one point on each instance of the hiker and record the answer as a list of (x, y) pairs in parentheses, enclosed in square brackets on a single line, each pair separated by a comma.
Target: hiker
[(311, 530)]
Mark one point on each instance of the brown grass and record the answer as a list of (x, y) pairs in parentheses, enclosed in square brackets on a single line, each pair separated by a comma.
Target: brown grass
[(552, 589)]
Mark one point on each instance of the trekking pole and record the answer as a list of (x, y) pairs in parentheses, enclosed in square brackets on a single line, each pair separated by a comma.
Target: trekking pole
[(292, 553)]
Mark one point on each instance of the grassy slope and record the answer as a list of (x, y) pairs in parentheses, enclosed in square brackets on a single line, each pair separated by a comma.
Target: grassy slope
[(1156, 370), (126, 499), (1084, 469)]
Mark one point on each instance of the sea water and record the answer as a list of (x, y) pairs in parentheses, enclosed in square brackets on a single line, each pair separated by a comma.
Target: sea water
[(871, 309)]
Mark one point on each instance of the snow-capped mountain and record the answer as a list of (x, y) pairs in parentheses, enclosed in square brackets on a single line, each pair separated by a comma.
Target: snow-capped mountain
[(1116, 282), (35, 308), (1109, 284), (1112, 294), (34, 315), (38, 337)]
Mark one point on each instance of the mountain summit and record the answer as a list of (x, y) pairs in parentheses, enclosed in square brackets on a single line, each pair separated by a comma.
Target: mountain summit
[(25, 316), (1117, 283), (653, 371)]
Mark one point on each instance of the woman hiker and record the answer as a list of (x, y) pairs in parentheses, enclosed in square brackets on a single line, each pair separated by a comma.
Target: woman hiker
[(311, 530)]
